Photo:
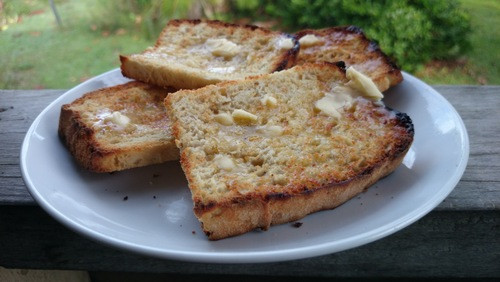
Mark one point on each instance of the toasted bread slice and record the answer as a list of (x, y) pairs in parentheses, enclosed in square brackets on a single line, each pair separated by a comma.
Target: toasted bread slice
[(119, 127), (349, 44), (193, 53), (273, 148)]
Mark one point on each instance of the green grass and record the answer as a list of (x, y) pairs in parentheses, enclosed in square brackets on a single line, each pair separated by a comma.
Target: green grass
[(36, 53), (482, 64), (485, 38)]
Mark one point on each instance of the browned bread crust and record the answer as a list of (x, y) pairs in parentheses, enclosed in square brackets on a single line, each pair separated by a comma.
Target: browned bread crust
[(100, 145), (317, 163), (349, 44), (181, 59)]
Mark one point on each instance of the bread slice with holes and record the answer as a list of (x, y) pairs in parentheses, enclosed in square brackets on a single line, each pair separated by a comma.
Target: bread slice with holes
[(118, 128), (349, 44), (273, 148), (193, 53)]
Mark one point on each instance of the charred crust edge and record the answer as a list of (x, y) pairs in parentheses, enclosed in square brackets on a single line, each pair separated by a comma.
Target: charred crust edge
[(290, 56), (201, 208), (405, 121), (340, 65), (373, 45)]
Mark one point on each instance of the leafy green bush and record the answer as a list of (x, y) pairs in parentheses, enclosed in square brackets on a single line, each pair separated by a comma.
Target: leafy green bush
[(411, 31), (12, 11)]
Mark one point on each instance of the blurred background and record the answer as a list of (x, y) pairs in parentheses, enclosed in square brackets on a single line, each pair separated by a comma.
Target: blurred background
[(61, 43)]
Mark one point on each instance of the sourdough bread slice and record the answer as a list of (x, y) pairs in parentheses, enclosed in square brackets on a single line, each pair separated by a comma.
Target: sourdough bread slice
[(119, 127), (193, 53), (273, 148), (349, 44)]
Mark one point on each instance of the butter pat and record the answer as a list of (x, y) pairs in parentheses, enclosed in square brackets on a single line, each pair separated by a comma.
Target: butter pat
[(309, 40), (270, 130), (243, 117), (269, 101), (364, 84), (332, 103), (223, 48), (224, 163), (285, 43), (118, 119), (230, 69), (327, 106), (224, 119)]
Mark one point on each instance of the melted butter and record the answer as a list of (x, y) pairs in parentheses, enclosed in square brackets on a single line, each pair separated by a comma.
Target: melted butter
[(224, 162), (115, 120), (118, 119), (101, 116), (270, 130), (215, 56), (229, 69), (285, 43), (243, 117), (333, 102), (364, 84), (224, 119), (309, 40), (269, 101), (359, 85), (222, 47)]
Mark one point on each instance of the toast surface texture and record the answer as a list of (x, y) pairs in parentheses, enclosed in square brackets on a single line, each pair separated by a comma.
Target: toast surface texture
[(193, 53), (259, 152), (349, 44), (118, 128)]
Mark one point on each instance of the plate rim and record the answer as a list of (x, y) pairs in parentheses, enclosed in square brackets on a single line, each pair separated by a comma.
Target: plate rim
[(256, 256)]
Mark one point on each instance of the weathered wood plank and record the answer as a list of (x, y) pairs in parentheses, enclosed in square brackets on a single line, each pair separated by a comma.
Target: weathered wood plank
[(442, 244), (479, 107), (18, 109)]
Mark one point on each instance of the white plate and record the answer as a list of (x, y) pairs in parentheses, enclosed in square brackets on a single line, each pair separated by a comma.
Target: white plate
[(157, 218)]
